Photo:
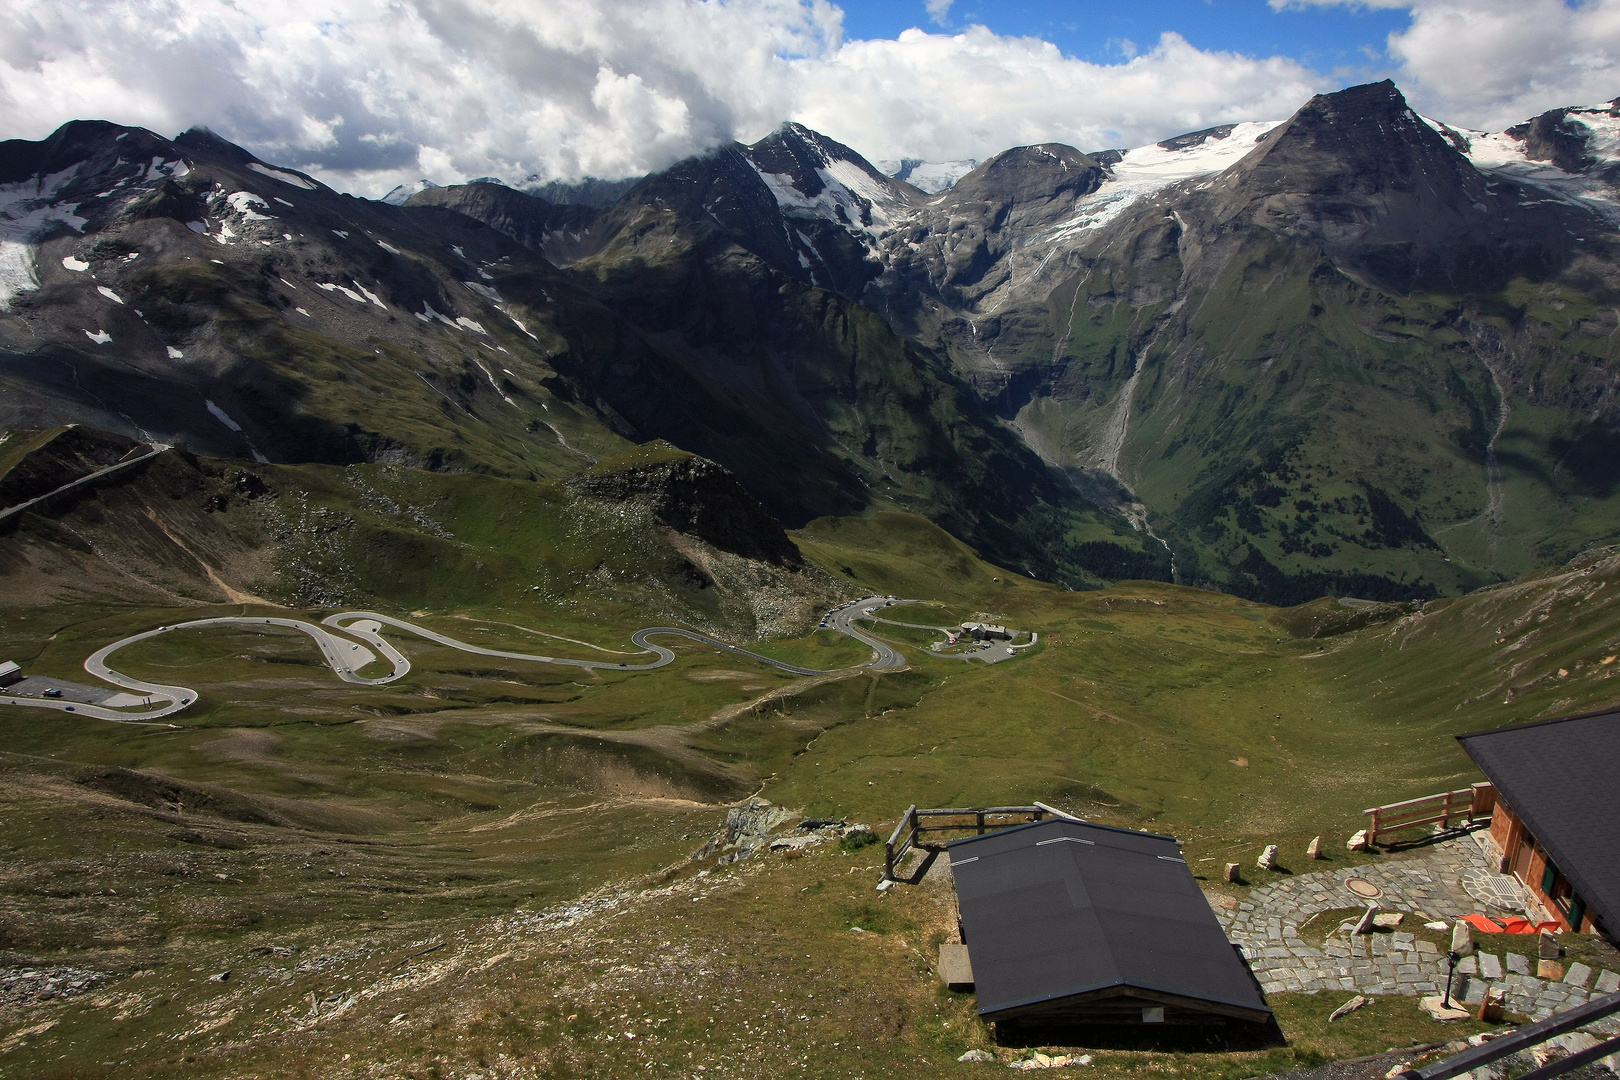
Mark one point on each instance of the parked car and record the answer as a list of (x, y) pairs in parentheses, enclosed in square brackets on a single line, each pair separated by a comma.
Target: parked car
[(51, 691)]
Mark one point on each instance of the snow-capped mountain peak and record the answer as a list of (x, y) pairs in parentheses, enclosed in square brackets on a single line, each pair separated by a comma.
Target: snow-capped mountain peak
[(402, 194), (813, 176)]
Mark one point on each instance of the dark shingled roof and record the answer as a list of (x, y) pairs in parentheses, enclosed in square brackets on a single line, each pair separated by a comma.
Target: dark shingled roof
[(1066, 911), (1562, 779)]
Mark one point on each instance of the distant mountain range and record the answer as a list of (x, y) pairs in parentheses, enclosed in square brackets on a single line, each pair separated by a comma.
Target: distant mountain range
[(1355, 351)]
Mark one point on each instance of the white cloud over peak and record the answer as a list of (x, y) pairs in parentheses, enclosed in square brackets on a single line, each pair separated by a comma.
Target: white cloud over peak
[(970, 94), (367, 93), (1488, 64)]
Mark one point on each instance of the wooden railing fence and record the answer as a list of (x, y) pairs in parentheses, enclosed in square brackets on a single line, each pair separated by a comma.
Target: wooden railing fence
[(1464, 804), (909, 832), (1513, 1042)]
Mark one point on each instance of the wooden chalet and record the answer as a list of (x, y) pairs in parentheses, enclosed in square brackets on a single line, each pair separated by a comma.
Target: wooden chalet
[(1556, 823)]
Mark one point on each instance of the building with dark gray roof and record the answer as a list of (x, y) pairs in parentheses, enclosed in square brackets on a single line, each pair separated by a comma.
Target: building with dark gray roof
[(1067, 922), (1556, 824)]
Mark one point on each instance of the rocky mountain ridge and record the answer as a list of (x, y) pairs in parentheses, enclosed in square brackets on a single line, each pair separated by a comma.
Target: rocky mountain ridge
[(1051, 280), (1382, 340), (184, 292)]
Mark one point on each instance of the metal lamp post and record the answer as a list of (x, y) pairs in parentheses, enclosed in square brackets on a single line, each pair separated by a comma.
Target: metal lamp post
[(1451, 958)]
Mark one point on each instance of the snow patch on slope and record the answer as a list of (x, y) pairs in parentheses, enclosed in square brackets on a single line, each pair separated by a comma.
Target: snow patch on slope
[(427, 314), (243, 203), (283, 175), (516, 322), (223, 417), (344, 289)]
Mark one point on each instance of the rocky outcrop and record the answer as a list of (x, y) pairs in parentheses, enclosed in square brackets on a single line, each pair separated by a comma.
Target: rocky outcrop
[(1553, 137), (523, 217), (694, 496)]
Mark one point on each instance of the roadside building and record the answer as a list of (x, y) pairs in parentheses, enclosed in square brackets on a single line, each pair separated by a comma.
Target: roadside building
[(1067, 922), (1556, 824), (10, 673), (981, 631)]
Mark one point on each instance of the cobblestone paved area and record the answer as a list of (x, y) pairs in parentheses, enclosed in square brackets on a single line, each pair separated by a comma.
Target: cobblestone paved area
[(1431, 881)]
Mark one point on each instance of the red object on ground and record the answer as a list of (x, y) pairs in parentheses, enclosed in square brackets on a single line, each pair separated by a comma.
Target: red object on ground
[(1511, 925)]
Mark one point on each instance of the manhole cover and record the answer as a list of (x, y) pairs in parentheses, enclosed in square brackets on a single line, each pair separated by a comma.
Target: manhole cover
[(1364, 888)]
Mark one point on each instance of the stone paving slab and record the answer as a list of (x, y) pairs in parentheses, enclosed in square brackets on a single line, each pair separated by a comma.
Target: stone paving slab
[(1266, 926)]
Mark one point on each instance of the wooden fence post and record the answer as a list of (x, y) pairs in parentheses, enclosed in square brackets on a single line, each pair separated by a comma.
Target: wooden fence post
[(895, 846)]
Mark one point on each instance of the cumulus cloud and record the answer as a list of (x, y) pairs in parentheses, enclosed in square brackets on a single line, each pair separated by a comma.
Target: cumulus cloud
[(939, 10), (974, 93), (1488, 64), (367, 93)]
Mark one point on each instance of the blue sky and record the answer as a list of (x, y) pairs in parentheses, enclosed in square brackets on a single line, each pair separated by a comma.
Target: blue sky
[(1348, 40)]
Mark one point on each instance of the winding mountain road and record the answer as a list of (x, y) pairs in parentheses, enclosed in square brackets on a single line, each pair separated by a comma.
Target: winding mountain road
[(154, 450), (346, 657)]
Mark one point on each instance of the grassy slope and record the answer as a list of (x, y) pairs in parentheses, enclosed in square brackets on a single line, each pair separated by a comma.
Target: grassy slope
[(1282, 382), (471, 789), (1141, 698)]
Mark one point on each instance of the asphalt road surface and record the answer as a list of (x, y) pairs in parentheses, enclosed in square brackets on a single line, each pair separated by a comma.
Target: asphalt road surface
[(367, 625), (346, 657), (342, 656), (156, 449), (842, 619)]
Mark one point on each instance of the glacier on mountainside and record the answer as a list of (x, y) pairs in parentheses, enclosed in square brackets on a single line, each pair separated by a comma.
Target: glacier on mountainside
[(1147, 170), (1502, 153), (932, 177), (27, 210)]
